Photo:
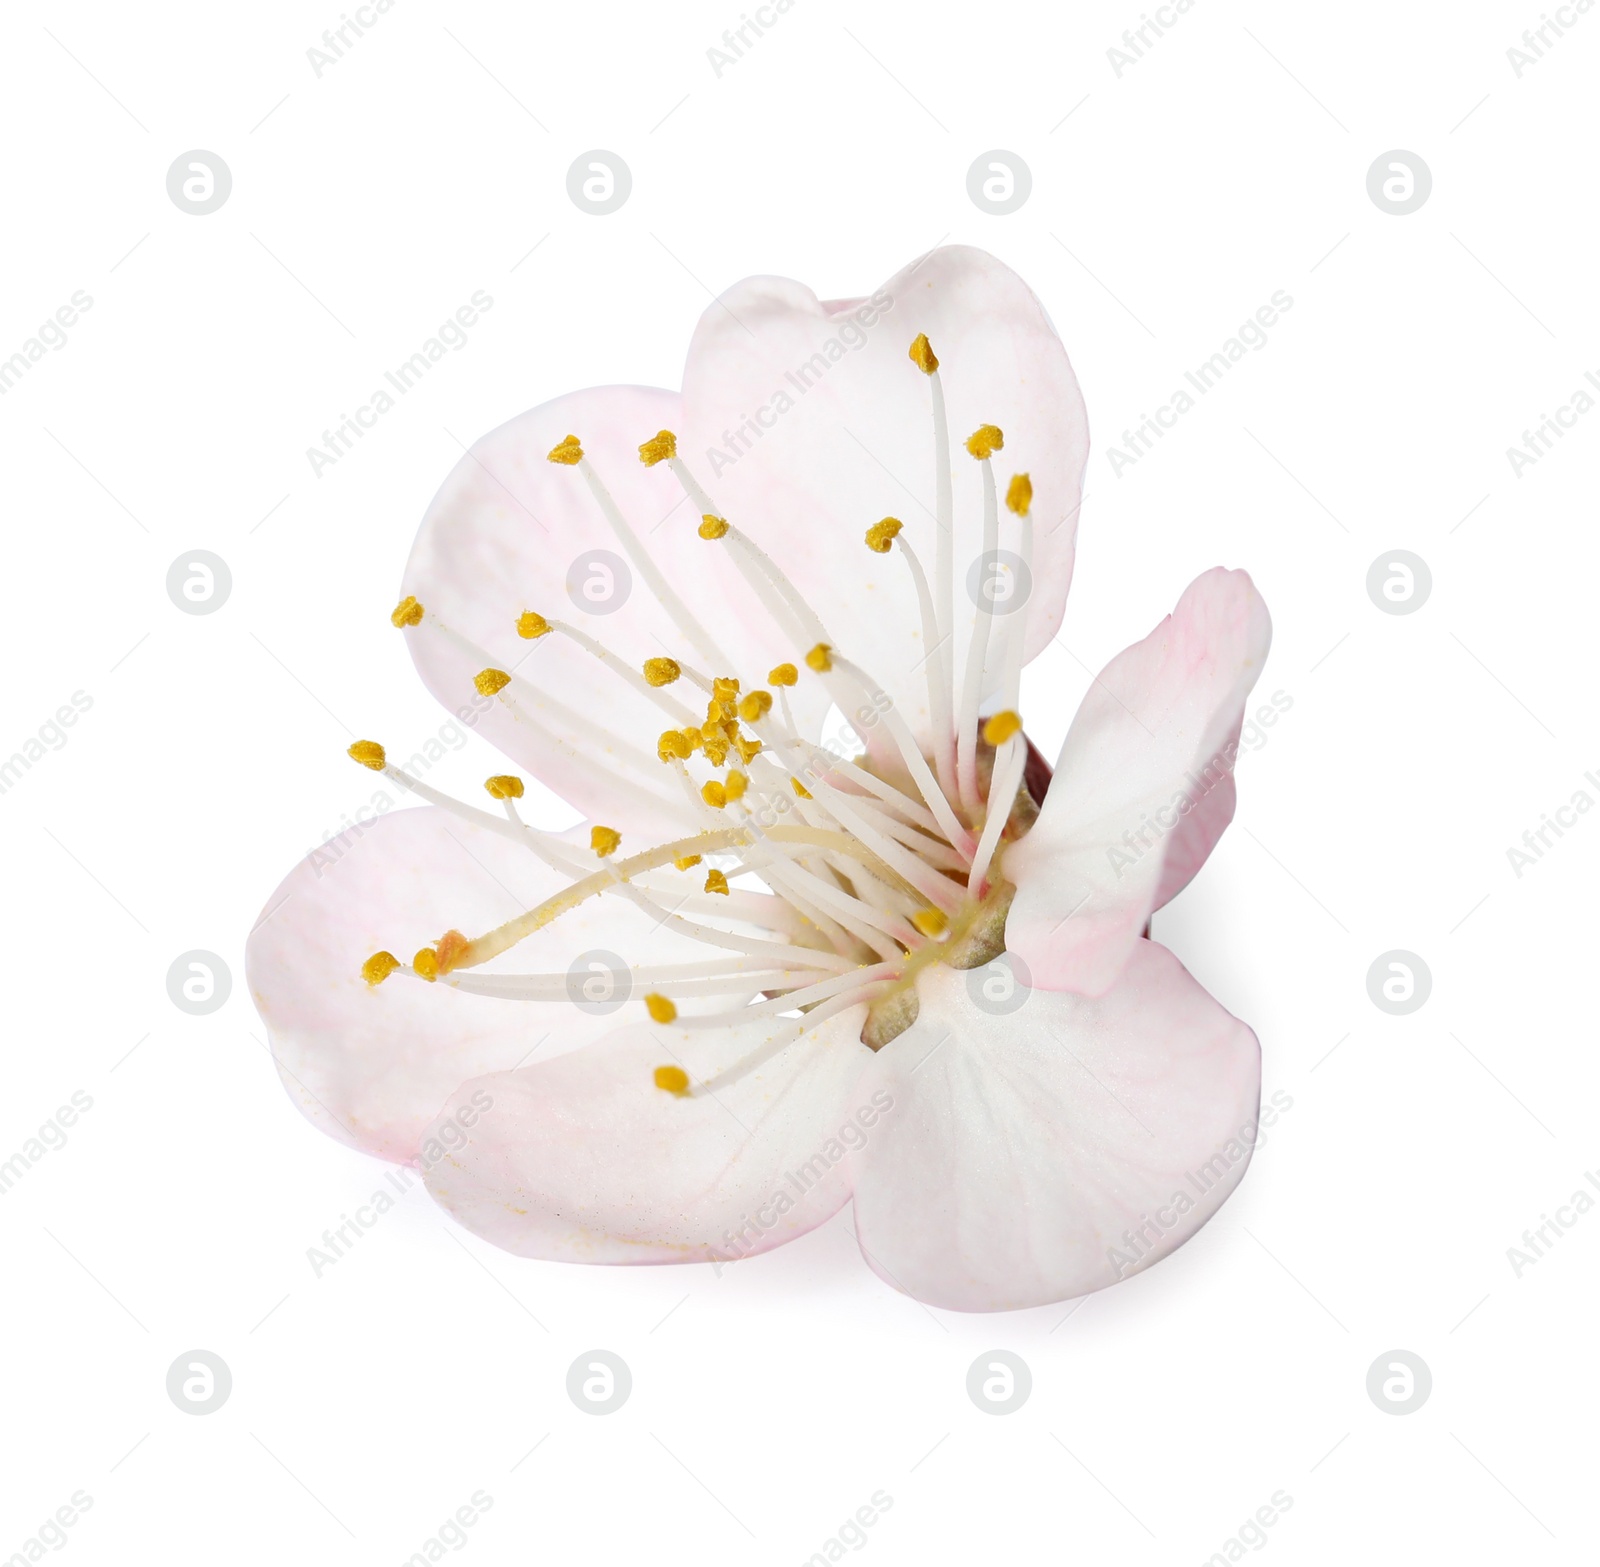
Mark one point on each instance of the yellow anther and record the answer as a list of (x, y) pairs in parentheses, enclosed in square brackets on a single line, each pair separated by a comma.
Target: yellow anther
[(820, 658), (717, 882), (783, 675), (714, 794), (488, 681), (504, 786), (569, 452), (658, 448), (746, 748), (661, 1010), (662, 671), (604, 840), (408, 612), (1019, 495), (672, 744), (922, 355), (716, 747), (693, 739), (531, 624), (426, 964), (931, 922), (881, 534), (726, 690), (736, 785), (369, 753), (687, 863), (712, 527), (985, 441), (1001, 727), (754, 707), (800, 789), (379, 967), (674, 1080)]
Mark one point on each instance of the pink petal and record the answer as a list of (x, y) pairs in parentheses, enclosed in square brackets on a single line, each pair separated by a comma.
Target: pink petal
[(510, 531), (1155, 738), (584, 1159), (855, 443), (372, 1065), (1048, 1152)]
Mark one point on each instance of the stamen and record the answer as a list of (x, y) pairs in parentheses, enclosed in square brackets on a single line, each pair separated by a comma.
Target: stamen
[(531, 624), (716, 881), (820, 658), (658, 448), (981, 443), (661, 1010), (1004, 781), (931, 922), (490, 681), (604, 840), (662, 671), (1000, 728), (713, 527), (369, 753), (504, 786), (933, 664), (408, 612), (783, 675), (426, 964), (379, 967), (687, 862), (943, 646), (674, 1080), (881, 535)]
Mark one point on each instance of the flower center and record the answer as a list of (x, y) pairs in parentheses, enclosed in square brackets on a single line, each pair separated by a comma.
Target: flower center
[(860, 874)]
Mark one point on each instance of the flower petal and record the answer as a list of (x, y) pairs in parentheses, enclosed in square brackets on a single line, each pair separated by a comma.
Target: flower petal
[(808, 423), (1044, 1153), (1155, 739), (371, 1065), (584, 1159), (510, 531)]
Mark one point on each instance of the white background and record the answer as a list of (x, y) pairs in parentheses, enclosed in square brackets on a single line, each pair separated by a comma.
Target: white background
[(1168, 204)]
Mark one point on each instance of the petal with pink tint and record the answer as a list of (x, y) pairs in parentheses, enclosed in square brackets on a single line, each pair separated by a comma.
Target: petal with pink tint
[(510, 531), (584, 1159), (372, 1065), (1154, 739), (808, 423), (1057, 1147)]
